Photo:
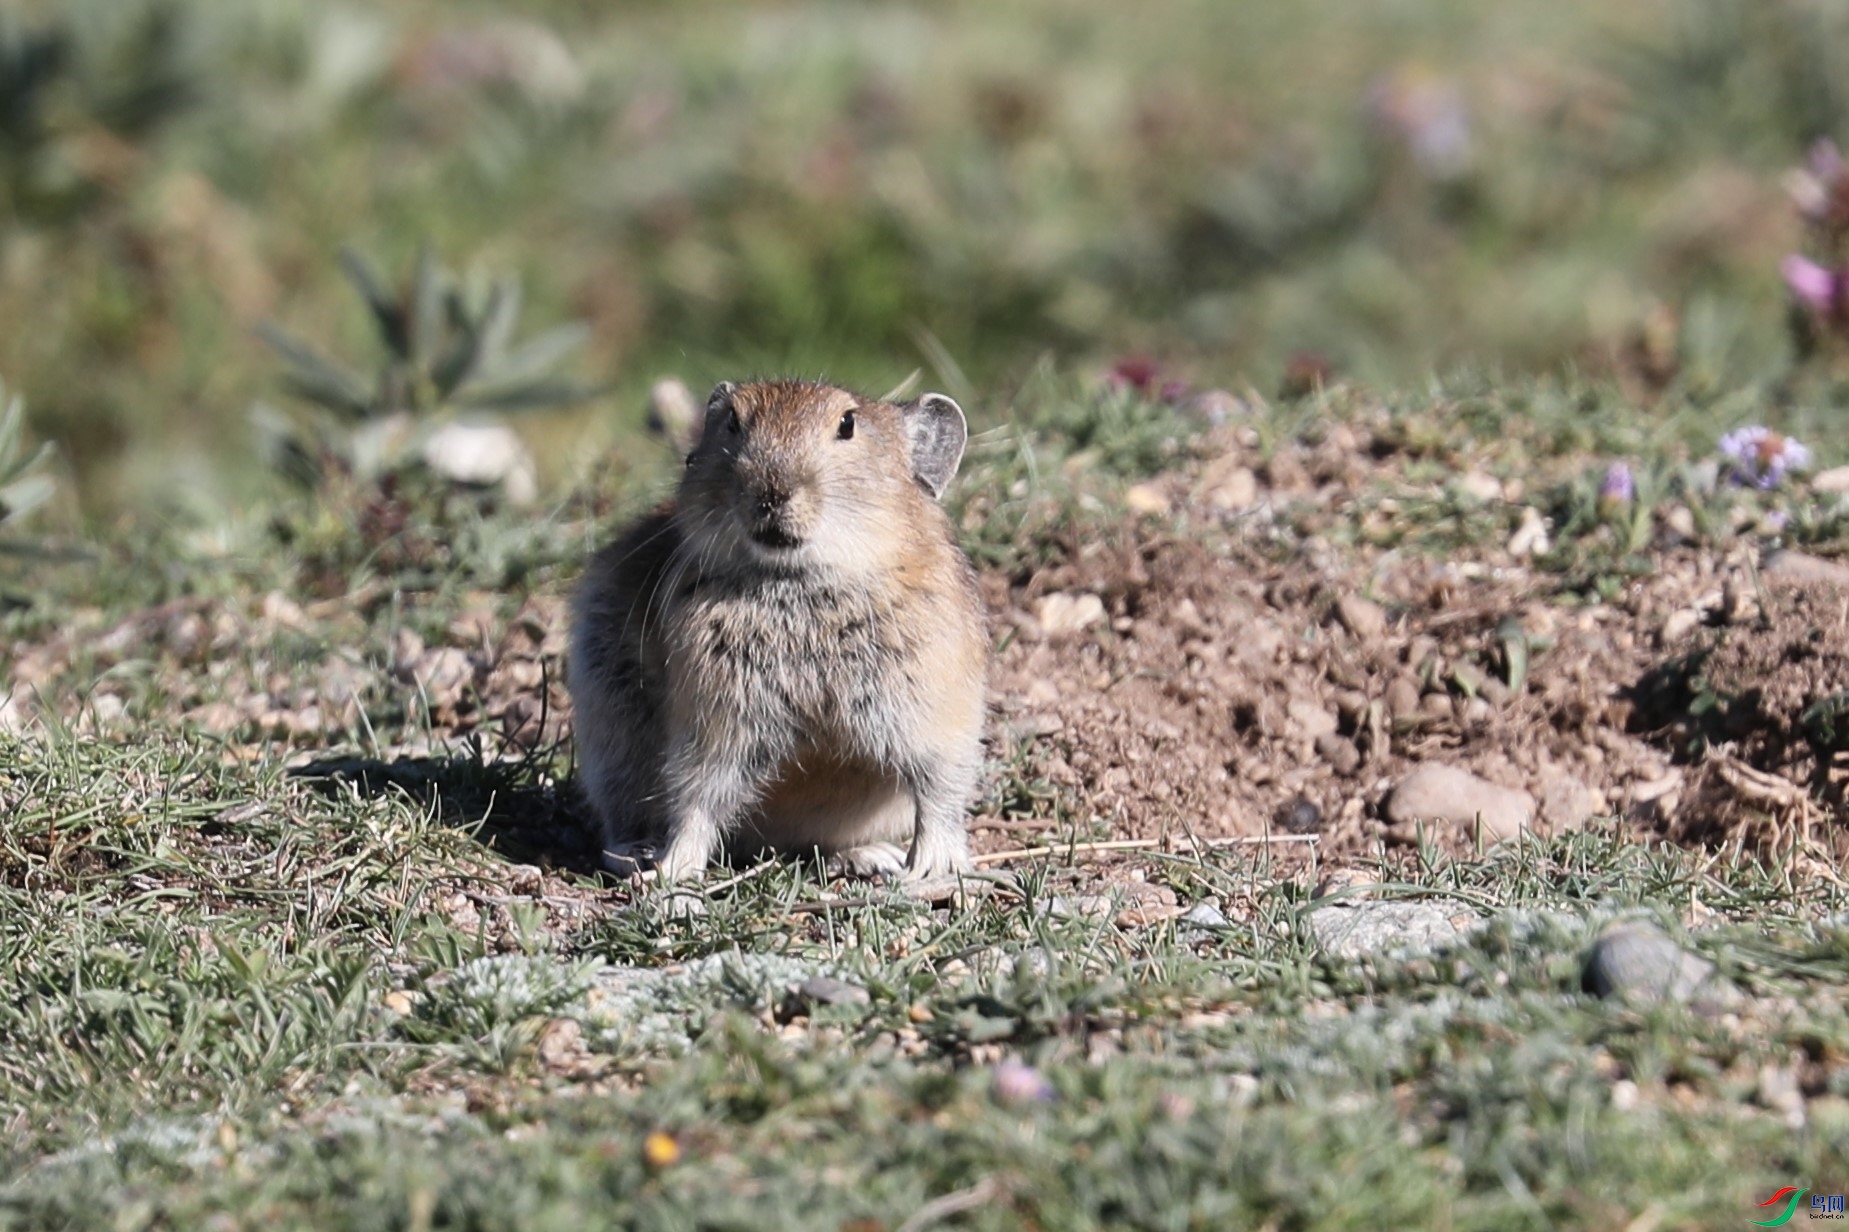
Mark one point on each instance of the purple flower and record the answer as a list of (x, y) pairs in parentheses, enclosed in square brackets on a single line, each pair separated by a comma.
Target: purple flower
[(1815, 187), (1620, 487), (1819, 289), (1016, 1082), (1761, 458)]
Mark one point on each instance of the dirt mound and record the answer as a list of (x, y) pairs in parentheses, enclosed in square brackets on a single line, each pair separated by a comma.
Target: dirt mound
[(1170, 687)]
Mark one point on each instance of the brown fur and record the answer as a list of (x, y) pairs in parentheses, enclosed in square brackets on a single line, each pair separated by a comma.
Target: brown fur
[(792, 653)]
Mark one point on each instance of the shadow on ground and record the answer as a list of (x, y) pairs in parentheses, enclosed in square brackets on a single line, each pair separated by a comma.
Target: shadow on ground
[(511, 806)]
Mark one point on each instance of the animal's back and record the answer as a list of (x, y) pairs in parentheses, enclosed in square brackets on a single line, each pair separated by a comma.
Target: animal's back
[(617, 683)]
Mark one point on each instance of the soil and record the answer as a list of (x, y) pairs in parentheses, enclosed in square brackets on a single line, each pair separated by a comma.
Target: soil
[(1224, 683)]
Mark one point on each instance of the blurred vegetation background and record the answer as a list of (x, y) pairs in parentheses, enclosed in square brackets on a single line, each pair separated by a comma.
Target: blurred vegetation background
[(1246, 193)]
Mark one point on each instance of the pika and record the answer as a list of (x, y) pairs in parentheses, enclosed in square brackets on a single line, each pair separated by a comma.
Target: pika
[(792, 652)]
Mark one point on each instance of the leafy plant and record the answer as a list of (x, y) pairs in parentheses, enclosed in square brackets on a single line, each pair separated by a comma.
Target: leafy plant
[(449, 352), (23, 484)]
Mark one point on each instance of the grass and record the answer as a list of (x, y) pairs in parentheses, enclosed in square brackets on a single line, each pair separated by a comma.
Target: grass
[(234, 998)]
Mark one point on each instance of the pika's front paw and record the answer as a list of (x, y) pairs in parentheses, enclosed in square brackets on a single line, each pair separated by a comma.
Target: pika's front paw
[(933, 862), (680, 862), (867, 860)]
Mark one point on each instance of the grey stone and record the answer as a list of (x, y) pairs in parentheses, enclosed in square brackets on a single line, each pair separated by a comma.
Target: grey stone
[(1362, 928), (1201, 917), (827, 990), (1636, 962)]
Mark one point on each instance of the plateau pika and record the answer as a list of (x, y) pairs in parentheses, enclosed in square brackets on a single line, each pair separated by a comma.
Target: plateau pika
[(792, 652)]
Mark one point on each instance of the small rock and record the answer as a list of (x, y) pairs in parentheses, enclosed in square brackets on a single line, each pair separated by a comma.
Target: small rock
[(1678, 625), (1435, 792), (1835, 479), (1203, 915), (1228, 486), (407, 649), (1636, 962), (442, 674), (1350, 883), (1402, 697), (1680, 523), (1799, 567), (1217, 406), (1360, 929), (1364, 618), (1436, 707), (1530, 537), (1340, 752), (484, 455), (1078, 906), (1310, 719), (1779, 1091), (1566, 802), (1351, 704), (1069, 612), (826, 990), (560, 1043), (1030, 727), (1300, 816), (1146, 499), (1479, 486)]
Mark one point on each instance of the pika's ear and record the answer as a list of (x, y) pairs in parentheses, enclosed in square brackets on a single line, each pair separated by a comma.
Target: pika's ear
[(721, 397), (937, 431)]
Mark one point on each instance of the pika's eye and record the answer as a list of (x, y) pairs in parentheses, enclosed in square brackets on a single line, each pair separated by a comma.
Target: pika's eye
[(732, 425), (846, 431)]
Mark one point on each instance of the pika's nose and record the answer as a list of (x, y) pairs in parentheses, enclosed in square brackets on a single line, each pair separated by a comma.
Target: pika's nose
[(771, 502)]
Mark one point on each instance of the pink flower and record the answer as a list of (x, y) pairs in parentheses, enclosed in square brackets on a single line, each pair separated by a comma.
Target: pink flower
[(1820, 290), (1016, 1082)]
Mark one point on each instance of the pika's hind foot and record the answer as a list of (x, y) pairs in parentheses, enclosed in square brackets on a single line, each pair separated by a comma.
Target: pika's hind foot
[(867, 860)]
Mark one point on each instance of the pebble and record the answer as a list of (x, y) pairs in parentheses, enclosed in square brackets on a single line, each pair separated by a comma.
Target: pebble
[(1310, 719), (1340, 752), (1356, 929), (1566, 802), (1800, 567), (1364, 618), (1202, 915), (484, 454), (1229, 486), (826, 990), (1835, 479), (1530, 537), (1636, 962), (1068, 612), (1481, 487), (1678, 625), (1300, 816), (1402, 697), (1147, 499), (1435, 792)]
